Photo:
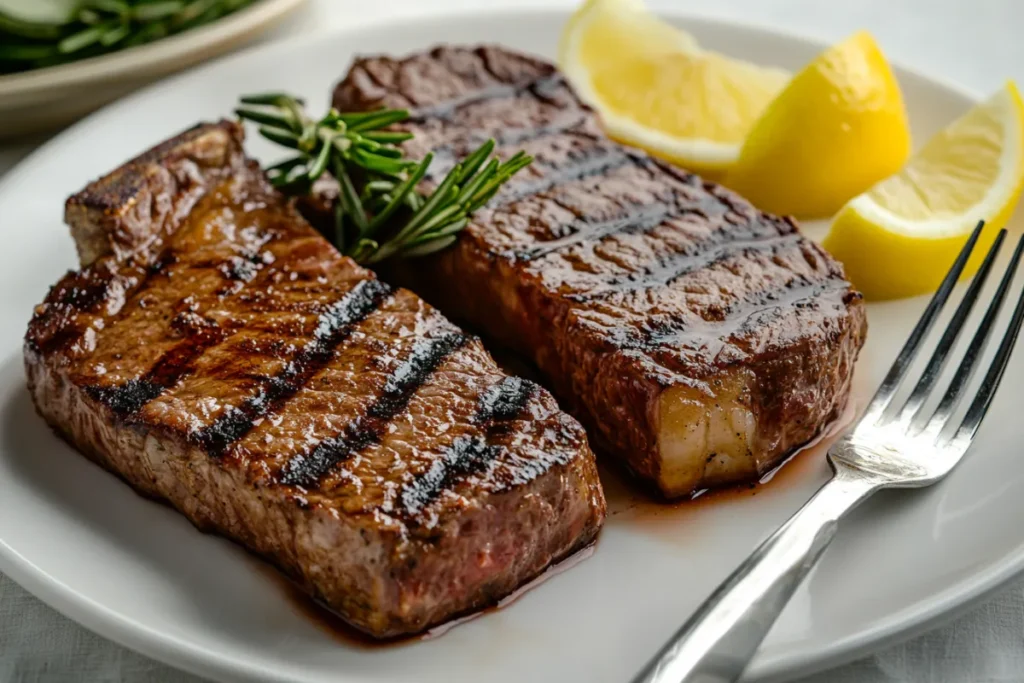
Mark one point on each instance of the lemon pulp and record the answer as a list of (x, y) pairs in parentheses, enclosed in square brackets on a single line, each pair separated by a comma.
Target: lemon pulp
[(900, 237), (655, 88)]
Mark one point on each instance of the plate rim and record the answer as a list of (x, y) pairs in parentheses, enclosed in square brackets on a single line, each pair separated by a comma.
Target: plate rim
[(144, 58), (785, 663)]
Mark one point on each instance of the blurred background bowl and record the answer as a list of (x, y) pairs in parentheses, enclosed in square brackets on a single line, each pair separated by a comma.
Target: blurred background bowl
[(43, 99)]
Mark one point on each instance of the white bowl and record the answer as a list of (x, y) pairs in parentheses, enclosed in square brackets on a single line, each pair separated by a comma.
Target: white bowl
[(47, 98)]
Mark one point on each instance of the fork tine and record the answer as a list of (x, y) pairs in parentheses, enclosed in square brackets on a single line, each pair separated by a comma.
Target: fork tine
[(924, 325), (987, 390), (956, 325), (965, 371)]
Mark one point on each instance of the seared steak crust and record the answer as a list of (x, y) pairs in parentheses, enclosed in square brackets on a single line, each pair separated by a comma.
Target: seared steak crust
[(217, 353), (699, 339)]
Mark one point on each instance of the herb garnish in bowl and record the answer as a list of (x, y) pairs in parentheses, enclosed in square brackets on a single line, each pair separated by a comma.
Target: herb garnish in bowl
[(40, 33)]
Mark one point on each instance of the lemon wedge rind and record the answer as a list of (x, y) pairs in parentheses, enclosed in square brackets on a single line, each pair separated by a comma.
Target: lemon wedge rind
[(1003, 190), (838, 127)]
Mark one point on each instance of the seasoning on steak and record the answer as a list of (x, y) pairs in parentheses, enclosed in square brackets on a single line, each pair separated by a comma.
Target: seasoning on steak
[(698, 339), (217, 353)]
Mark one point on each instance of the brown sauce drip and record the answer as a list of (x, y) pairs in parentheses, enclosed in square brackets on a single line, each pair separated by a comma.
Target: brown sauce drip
[(624, 499), (331, 623)]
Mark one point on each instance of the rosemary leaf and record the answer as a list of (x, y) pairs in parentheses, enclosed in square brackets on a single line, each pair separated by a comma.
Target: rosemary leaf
[(349, 198), (414, 200), (377, 163), (449, 229), (483, 198), (380, 120), (474, 161), (481, 179), (446, 215), (393, 153), (264, 117), (375, 189), (411, 182), (387, 137), (440, 194), (308, 136), (364, 250), (368, 120), (286, 165), (280, 136), (294, 181), (365, 143), (273, 98), (429, 247), (320, 164)]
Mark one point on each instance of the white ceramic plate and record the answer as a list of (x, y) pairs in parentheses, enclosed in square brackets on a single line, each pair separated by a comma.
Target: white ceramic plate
[(45, 98), (140, 574)]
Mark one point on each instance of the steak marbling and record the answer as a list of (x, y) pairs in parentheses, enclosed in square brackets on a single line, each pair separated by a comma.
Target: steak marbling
[(217, 353), (699, 339)]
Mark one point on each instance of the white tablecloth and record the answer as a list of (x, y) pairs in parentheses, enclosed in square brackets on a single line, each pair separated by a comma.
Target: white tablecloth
[(975, 44)]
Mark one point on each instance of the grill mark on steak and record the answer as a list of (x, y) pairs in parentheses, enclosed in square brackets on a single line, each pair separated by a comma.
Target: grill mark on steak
[(85, 292), (401, 384), (669, 269), (307, 469), (637, 219), (86, 296), (469, 454), (129, 398), (561, 125), (640, 219), (506, 400), (583, 166), (729, 324), (466, 455), (179, 361), (334, 326), (447, 154), (541, 88)]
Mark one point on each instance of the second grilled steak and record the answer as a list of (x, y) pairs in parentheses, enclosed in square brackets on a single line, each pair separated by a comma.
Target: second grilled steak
[(217, 353), (699, 339)]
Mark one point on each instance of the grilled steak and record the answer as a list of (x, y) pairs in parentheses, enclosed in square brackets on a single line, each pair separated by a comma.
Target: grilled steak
[(699, 339), (217, 353)]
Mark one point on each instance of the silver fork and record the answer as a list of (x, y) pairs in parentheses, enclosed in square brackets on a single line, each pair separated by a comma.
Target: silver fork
[(891, 446)]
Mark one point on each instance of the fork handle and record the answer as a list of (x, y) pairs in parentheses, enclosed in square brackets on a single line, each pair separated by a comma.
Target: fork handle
[(719, 640)]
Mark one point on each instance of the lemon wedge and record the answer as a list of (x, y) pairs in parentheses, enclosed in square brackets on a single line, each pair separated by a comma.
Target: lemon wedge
[(655, 88), (899, 238), (837, 128)]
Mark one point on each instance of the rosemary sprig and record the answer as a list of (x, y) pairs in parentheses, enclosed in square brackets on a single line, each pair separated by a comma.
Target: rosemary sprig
[(87, 28), (380, 212)]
